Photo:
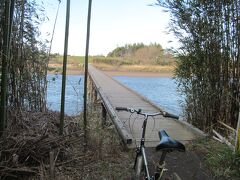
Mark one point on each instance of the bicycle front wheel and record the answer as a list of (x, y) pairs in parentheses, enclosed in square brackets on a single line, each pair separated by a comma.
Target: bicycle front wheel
[(138, 168)]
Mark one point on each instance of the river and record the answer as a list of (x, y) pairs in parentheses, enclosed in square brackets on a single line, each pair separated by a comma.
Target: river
[(160, 90)]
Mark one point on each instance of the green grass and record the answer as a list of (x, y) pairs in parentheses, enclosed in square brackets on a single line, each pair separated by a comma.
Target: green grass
[(106, 63), (57, 59), (219, 158), (113, 61)]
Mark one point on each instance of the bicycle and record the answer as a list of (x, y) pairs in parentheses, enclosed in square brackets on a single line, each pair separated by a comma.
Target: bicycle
[(166, 145)]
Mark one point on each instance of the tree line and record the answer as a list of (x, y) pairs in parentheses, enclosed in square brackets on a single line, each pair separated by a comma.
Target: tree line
[(140, 53)]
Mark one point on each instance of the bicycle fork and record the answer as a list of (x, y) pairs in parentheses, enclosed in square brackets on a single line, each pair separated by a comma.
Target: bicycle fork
[(141, 152), (145, 163)]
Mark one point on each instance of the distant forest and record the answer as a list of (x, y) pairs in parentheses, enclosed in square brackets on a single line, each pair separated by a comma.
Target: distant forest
[(139, 53)]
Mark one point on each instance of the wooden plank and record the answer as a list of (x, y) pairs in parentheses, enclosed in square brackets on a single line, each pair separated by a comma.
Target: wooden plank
[(114, 94), (227, 126), (126, 136)]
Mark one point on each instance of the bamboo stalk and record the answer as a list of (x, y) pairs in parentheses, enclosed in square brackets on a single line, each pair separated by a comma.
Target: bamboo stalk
[(5, 62), (86, 72), (227, 126), (222, 139), (64, 69), (51, 158)]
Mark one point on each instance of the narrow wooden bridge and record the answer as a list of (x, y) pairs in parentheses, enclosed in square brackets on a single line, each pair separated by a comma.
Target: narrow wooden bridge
[(113, 94)]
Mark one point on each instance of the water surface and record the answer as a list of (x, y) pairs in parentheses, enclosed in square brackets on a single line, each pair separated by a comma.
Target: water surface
[(160, 90), (74, 93)]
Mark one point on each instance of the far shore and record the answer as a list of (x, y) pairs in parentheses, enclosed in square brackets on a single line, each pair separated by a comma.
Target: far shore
[(122, 73), (69, 72), (123, 70), (139, 74)]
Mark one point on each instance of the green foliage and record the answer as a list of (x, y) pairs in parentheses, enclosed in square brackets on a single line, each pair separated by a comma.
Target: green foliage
[(219, 158), (208, 63), (58, 59), (128, 49)]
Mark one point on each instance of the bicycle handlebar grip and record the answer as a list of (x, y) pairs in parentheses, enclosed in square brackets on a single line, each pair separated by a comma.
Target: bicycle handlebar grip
[(121, 109), (171, 115)]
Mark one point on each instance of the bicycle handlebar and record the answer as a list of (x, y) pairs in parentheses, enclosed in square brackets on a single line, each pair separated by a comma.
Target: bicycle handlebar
[(121, 109), (139, 111)]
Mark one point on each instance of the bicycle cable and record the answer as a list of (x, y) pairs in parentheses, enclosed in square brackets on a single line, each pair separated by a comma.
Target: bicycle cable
[(154, 121), (131, 125), (125, 122)]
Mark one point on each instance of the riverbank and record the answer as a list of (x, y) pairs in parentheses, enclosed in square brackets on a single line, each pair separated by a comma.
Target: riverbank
[(69, 72), (139, 74), (145, 70)]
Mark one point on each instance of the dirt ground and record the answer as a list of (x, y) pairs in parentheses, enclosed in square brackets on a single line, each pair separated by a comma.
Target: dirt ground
[(188, 165)]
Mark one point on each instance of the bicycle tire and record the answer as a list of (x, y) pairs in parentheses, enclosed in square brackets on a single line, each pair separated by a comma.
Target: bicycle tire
[(138, 168)]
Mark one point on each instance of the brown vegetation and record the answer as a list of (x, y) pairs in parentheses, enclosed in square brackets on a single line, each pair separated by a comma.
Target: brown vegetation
[(31, 138), (31, 148)]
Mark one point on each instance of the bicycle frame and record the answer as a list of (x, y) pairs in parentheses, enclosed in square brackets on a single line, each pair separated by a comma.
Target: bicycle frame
[(141, 158), (141, 152)]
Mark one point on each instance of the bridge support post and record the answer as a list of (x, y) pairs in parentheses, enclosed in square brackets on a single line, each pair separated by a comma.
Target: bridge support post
[(92, 94), (89, 88), (91, 91), (90, 99), (104, 116), (95, 98)]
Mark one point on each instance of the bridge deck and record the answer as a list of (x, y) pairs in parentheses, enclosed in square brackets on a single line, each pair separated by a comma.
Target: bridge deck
[(115, 94)]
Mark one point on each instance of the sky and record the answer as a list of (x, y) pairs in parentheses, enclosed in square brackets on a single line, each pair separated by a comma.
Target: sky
[(114, 23)]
